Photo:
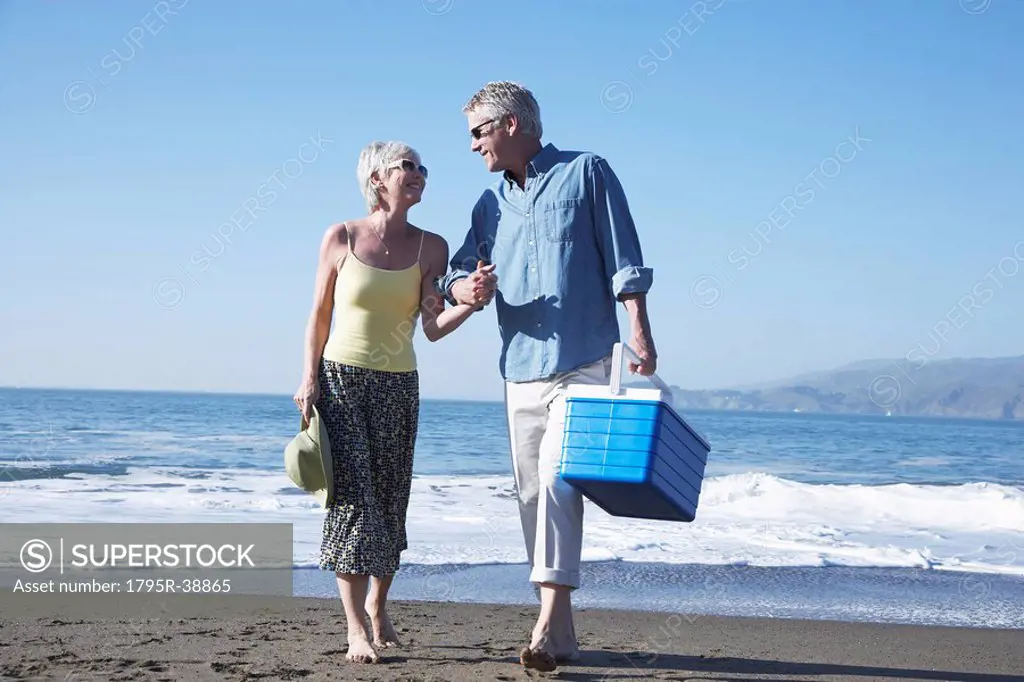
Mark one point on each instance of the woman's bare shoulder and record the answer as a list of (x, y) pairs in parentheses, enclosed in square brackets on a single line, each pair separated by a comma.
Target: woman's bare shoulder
[(334, 244), (340, 230), (434, 244), (338, 233)]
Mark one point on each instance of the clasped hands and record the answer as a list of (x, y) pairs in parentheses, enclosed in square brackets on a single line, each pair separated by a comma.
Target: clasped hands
[(478, 289)]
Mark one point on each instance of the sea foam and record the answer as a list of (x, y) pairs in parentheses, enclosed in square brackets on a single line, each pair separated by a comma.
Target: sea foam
[(743, 519)]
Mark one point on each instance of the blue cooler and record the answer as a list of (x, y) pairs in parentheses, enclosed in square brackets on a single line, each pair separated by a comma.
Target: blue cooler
[(629, 452)]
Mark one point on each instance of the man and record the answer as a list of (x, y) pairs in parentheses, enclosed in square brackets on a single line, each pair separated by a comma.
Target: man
[(557, 233)]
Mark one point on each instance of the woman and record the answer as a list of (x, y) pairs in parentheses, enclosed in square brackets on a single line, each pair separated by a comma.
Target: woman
[(375, 277)]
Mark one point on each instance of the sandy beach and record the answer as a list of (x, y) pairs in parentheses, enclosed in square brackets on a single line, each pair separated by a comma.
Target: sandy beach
[(305, 640)]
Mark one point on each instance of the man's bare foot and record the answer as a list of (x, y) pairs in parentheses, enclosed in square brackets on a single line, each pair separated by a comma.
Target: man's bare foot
[(359, 649), (559, 647), (384, 634), (568, 650), (538, 659)]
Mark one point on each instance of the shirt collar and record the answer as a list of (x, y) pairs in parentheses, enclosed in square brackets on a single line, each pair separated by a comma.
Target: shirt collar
[(541, 163)]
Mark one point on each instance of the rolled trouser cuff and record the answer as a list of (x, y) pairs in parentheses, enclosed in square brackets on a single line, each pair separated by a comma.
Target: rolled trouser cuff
[(569, 579)]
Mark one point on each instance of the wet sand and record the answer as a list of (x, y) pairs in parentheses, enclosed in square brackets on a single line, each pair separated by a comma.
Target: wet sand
[(305, 640)]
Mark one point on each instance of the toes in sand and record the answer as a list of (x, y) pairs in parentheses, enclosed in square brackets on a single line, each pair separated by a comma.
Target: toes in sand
[(360, 651), (538, 659)]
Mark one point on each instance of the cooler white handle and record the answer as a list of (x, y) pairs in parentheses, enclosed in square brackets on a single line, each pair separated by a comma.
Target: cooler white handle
[(620, 352)]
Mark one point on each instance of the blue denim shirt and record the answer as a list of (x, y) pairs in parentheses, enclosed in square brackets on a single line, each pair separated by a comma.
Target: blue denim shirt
[(564, 248)]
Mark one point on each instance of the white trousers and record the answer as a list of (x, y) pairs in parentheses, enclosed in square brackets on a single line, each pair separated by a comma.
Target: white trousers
[(550, 510)]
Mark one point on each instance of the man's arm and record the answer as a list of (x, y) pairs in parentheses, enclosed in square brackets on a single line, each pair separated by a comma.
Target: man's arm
[(623, 259), (467, 282), (642, 339), (459, 266)]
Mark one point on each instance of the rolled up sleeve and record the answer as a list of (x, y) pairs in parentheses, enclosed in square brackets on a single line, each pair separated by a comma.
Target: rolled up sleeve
[(463, 262), (616, 234), (445, 282)]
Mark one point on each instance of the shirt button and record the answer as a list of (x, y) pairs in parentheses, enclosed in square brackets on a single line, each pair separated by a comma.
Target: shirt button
[(538, 324), (530, 242)]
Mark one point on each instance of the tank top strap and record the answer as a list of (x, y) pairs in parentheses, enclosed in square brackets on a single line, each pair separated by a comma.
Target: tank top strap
[(423, 233), (348, 237)]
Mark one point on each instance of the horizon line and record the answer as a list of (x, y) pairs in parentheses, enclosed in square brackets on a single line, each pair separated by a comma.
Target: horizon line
[(628, 381), (194, 392)]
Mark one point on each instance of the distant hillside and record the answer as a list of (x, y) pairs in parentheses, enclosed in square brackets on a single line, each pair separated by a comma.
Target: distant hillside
[(980, 388)]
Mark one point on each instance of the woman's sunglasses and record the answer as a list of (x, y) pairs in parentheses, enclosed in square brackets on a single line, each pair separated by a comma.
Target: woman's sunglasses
[(408, 166)]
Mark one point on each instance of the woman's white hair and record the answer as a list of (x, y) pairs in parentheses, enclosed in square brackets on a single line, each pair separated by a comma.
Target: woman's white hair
[(501, 98), (375, 158)]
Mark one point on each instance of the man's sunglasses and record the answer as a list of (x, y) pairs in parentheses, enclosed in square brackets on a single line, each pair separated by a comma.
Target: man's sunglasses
[(476, 131), (408, 166)]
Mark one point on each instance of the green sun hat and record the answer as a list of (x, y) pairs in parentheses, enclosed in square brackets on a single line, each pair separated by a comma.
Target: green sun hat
[(307, 460)]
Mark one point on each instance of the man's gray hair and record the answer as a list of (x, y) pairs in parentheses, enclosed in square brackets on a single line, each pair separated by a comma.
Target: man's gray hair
[(501, 98), (376, 157)]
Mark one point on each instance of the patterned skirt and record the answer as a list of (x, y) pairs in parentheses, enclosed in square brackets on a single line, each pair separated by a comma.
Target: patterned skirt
[(372, 418)]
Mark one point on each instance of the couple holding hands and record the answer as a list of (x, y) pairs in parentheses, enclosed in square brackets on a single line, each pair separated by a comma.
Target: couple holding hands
[(556, 229)]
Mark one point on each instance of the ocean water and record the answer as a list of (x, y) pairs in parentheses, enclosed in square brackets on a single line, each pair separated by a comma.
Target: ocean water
[(867, 518)]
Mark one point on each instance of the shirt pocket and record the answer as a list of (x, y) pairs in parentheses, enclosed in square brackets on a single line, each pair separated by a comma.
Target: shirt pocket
[(561, 218)]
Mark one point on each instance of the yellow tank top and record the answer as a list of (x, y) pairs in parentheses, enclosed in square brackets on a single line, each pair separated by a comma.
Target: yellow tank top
[(375, 314)]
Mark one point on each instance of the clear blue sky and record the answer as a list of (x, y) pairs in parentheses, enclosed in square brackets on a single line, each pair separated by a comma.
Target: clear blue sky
[(130, 135)]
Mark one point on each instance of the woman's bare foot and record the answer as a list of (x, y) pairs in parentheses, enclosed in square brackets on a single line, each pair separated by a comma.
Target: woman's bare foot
[(359, 648), (384, 634)]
